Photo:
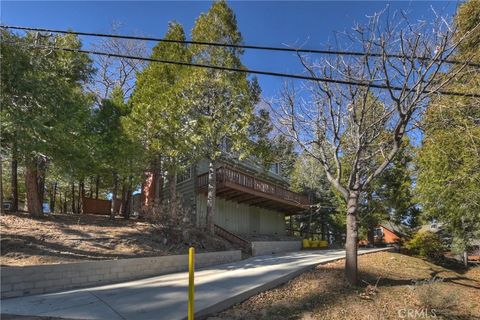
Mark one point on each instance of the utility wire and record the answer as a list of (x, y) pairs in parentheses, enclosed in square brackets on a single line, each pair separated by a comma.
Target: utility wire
[(241, 46), (249, 71)]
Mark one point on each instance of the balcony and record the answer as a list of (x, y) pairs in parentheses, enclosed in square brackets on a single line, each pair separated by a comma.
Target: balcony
[(241, 187)]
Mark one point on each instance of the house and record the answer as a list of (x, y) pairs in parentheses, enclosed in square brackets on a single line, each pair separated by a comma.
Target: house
[(386, 233), (474, 250), (251, 202)]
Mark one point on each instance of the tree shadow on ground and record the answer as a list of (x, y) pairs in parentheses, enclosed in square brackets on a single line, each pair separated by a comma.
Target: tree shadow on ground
[(29, 245), (333, 293), (80, 219)]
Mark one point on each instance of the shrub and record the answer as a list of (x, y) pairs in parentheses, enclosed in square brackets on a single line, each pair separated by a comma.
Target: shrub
[(426, 244), (431, 297)]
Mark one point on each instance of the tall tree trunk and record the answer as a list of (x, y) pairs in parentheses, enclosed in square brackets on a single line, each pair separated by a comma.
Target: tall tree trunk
[(60, 200), (158, 181), (73, 198), (14, 180), (81, 195), (65, 205), (41, 172), (90, 189), (128, 199), (53, 197), (123, 197), (34, 204), (97, 183), (172, 188), (211, 196), (113, 210), (352, 238), (310, 216)]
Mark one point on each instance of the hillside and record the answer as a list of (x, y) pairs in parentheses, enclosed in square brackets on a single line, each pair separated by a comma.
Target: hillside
[(61, 238)]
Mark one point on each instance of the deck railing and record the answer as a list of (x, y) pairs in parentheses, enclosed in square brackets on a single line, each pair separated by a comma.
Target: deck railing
[(226, 174)]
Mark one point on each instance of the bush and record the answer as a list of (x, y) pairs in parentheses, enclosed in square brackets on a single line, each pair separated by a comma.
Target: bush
[(426, 244), (431, 297), (162, 215)]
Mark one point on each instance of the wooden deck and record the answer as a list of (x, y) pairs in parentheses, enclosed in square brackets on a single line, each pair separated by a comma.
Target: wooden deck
[(241, 187)]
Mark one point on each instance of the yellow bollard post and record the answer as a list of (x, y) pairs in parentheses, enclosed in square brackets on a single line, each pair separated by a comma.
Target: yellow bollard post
[(191, 284)]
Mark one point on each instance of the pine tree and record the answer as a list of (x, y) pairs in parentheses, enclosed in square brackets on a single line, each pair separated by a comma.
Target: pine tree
[(44, 108), (222, 102), (160, 117), (449, 159)]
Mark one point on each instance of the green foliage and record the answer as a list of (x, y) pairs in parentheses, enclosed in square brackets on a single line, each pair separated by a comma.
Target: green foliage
[(308, 177), (426, 244), (390, 196), (44, 108), (269, 148), (259, 133), (467, 18), (448, 162), (115, 152), (160, 117), (221, 102)]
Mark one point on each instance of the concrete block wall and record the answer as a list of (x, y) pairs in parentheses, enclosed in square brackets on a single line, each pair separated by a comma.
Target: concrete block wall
[(260, 248), (20, 281)]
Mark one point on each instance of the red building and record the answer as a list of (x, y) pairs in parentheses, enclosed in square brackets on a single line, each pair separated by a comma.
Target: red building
[(385, 234)]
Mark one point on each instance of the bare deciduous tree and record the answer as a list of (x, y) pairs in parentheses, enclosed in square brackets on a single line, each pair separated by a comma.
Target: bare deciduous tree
[(114, 71), (354, 131)]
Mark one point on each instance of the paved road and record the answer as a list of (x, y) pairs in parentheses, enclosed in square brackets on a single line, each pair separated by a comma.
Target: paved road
[(165, 297)]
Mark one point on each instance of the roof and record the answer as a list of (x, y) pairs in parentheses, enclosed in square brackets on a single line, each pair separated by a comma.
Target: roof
[(398, 229)]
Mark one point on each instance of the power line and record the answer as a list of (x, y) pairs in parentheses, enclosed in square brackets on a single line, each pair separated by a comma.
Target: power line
[(241, 46), (250, 71)]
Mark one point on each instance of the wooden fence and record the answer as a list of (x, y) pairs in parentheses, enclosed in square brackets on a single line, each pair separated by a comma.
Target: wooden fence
[(96, 206)]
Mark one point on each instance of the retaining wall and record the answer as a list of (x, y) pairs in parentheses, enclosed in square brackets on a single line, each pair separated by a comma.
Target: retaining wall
[(260, 248), (19, 281)]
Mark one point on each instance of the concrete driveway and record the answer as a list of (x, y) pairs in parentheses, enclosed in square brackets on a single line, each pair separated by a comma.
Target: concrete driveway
[(165, 297)]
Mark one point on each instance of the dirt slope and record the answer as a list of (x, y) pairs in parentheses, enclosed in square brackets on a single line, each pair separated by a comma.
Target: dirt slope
[(63, 238)]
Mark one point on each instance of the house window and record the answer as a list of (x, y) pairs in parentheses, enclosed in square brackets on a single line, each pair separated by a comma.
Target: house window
[(378, 232), (275, 168), (184, 175)]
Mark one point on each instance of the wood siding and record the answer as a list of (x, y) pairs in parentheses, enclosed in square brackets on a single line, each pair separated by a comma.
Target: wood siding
[(185, 192), (389, 237), (241, 218), (96, 206)]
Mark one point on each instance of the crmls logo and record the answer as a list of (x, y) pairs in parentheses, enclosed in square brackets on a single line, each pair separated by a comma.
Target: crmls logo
[(416, 314)]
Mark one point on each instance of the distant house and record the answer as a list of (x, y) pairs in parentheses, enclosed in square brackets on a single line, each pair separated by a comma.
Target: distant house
[(385, 234), (252, 202), (474, 250)]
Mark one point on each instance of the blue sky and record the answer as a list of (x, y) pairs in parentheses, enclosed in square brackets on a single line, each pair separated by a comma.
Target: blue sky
[(273, 23)]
